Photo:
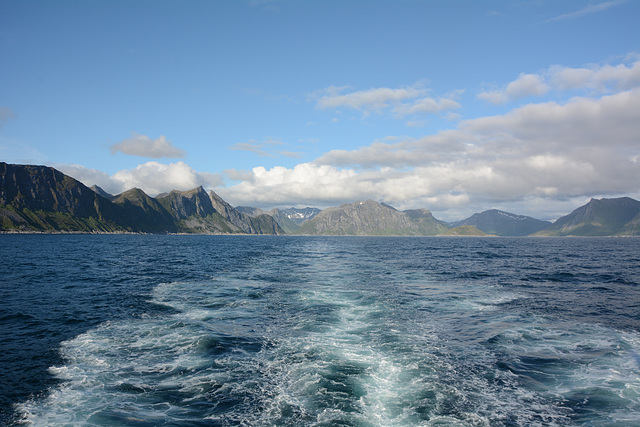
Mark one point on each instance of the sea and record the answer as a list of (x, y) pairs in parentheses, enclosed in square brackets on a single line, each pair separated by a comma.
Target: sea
[(193, 330)]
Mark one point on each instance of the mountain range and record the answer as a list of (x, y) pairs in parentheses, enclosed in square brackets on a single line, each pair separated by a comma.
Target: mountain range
[(43, 199)]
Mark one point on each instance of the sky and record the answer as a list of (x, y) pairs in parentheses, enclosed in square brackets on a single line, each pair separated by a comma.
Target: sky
[(528, 106)]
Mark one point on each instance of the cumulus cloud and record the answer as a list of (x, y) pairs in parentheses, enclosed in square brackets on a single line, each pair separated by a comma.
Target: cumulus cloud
[(605, 78), (402, 101), (151, 177), (143, 146), (427, 106), (599, 78), (525, 85)]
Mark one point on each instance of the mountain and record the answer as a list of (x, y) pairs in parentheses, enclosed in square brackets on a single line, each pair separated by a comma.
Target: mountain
[(193, 212), (289, 219), (43, 199), (143, 213), (426, 223), (197, 211), (261, 224), (603, 217), (502, 223), (101, 192), (250, 211), (299, 215), (40, 198), (367, 218)]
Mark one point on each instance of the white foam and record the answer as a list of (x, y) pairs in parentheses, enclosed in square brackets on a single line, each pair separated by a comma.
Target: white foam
[(334, 353)]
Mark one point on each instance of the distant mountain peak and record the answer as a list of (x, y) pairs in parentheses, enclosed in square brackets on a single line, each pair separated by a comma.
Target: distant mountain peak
[(501, 223), (369, 217)]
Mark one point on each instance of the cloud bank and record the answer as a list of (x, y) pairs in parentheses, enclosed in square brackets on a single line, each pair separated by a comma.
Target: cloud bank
[(546, 151)]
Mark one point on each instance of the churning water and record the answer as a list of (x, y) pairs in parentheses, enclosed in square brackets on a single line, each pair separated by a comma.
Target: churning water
[(319, 331)]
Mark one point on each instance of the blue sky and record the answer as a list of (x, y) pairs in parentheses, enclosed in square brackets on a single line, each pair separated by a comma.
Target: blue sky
[(456, 106)]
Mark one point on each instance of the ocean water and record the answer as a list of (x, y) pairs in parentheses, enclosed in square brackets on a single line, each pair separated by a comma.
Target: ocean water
[(318, 331)]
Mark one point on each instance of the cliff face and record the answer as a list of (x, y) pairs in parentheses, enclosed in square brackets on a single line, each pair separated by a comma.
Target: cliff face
[(143, 213), (241, 221), (43, 199), (44, 188), (256, 223), (183, 204), (266, 224)]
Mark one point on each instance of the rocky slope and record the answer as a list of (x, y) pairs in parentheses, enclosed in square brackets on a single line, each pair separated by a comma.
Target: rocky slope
[(369, 218), (260, 224), (426, 223), (143, 213), (290, 220), (40, 198), (603, 217)]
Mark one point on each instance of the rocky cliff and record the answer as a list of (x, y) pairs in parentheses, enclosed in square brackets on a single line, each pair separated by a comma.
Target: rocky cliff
[(40, 198), (143, 213), (259, 224)]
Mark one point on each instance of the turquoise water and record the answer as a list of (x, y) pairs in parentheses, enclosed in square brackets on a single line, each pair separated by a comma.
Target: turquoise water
[(223, 330)]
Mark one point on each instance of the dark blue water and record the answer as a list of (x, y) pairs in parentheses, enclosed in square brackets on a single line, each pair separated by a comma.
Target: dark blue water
[(239, 330)]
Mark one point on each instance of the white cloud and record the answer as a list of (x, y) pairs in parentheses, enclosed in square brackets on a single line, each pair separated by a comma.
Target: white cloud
[(402, 102), (596, 78), (142, 145), (525, 85), (600, 78), (427, 106), (151, 177), (371, 99)]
